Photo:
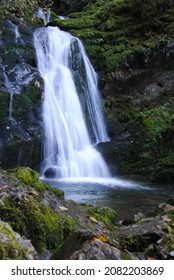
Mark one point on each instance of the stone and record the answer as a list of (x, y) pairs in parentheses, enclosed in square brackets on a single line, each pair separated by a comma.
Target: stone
[(97, 250), (50, 173)]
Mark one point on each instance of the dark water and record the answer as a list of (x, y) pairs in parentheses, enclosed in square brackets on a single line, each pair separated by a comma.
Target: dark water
[(125, 196)]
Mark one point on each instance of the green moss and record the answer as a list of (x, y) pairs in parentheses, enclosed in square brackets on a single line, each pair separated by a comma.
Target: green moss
[(105, 214), (143, 25), (168, 160), (126, 256), (137, 243), (27, 100), (31, 177), (10, 248), (151, 123), (45, 228)]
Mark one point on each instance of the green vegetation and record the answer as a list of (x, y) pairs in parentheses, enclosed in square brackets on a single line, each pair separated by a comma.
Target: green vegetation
[(31, 178), (114, 31), (44, 227), (27, 99), (105, 214), (10, 247), (152, 123)]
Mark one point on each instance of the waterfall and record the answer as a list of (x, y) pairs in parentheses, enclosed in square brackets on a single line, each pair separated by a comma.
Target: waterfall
[(68, 148), (11, 92), (45, 16), (16, 31), (86, 81)]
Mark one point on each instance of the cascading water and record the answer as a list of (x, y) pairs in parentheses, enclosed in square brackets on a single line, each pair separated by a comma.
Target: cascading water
[(68, 150), (10, 89), (86, 81), (16, 31), (46, 17)]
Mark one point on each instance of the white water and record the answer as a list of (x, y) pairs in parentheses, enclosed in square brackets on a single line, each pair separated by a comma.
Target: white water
[(68, 150), (45, 16), (91, 93), (10, 90), (16, 31)]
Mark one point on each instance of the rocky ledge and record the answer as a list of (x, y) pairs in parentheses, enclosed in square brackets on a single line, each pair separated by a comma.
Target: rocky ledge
[(36, 222)]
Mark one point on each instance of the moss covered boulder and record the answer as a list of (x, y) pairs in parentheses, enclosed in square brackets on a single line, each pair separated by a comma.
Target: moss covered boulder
[(37, 222), (21, 205), (31, 178), (13, 246)]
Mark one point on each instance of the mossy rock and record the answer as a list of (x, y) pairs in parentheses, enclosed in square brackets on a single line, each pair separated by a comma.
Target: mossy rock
[(31, 177), (28, 99), (126, 28), (13, 246), (105, 214), (45, 228), (139, 243)]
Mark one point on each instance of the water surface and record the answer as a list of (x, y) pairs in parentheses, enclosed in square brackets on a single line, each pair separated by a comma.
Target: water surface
[(127, 197)]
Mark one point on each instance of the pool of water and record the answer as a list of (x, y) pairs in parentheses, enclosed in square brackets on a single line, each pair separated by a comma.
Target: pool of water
[(127, 197)]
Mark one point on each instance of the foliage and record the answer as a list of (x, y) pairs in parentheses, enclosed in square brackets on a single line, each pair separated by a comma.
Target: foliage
[(153, 122), (113, 31), (76, 5)]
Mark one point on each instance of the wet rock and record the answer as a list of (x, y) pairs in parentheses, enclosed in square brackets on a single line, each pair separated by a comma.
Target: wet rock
[(150, 237), (21, 127), (145, 226), (50, 172)]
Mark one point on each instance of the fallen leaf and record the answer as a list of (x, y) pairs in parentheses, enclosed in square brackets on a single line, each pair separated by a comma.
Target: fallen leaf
[(63, 208), (99, 237), (93, 220)]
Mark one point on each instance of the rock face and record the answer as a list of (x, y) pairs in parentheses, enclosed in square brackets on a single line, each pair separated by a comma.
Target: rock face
[(20, 97), (139, 108)]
